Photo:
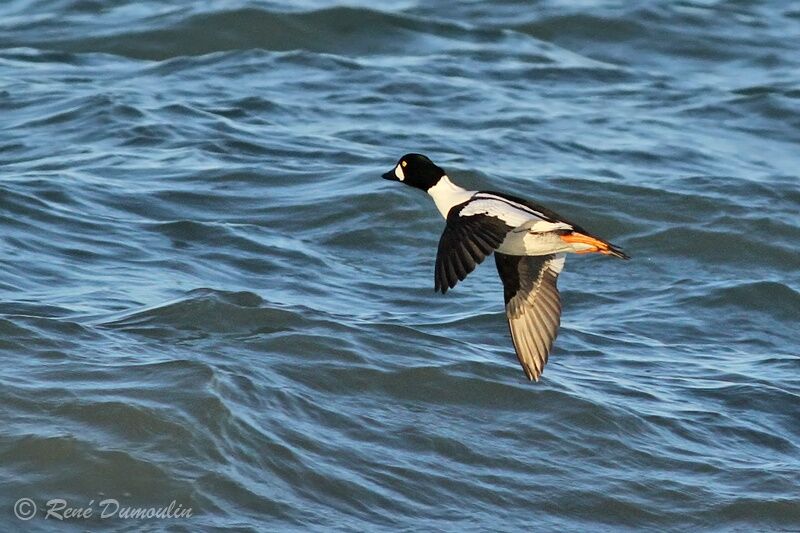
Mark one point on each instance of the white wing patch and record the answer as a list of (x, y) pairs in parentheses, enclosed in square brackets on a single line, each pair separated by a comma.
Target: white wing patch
[(398, 172), (489, 196), (509, 214), (534, 221)]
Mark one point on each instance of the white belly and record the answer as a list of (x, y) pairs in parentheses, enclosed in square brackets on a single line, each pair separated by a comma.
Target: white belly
[(523, 242)]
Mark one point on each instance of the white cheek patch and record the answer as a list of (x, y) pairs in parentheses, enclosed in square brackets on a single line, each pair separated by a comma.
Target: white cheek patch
[(399, 173)]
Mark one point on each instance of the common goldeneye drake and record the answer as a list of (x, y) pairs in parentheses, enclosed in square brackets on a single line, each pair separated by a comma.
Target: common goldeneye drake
[(529, 244)]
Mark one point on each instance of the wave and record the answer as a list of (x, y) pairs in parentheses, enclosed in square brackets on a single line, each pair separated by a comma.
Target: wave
[(340, 30), (208, 310), (773, 298)]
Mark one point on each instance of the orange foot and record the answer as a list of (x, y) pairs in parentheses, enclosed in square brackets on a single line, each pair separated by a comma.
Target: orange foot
[(596, 244)]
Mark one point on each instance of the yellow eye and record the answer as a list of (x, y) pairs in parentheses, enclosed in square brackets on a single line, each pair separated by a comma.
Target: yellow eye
[(404, 164)]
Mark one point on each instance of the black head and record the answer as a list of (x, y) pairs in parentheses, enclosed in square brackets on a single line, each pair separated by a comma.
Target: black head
[(415, 170)]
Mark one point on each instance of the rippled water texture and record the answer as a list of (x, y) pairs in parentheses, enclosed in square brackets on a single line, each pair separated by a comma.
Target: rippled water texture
[(208, 294)]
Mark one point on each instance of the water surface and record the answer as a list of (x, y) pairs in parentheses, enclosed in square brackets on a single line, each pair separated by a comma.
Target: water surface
[(209, 296)]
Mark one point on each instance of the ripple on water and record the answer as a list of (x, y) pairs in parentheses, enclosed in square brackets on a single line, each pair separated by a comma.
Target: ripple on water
[(209, 295)]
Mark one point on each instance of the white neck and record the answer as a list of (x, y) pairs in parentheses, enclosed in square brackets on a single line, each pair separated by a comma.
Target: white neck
[(446, 194)]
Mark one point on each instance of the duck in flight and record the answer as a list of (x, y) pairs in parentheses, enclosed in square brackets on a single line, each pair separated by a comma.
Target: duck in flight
[(529, 244)]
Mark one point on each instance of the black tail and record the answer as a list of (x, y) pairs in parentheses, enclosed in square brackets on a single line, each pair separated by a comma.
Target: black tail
[(616, 251)]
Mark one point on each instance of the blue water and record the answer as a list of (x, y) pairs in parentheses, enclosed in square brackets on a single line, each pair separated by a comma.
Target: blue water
[(209, 296)]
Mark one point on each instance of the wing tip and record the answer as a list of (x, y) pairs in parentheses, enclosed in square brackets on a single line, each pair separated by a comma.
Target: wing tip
[(532, 375), (440, 287)]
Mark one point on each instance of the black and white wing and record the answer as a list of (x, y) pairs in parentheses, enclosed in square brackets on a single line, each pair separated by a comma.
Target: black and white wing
[(464, 244), (533, 306), (538, 212)]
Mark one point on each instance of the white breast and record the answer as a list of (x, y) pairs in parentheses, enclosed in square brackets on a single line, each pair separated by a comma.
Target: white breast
[(446, 194)]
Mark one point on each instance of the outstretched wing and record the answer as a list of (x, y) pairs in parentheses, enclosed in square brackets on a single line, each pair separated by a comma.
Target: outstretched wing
[(464, 244), (546, 220), (539, 211), (533, 306)]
